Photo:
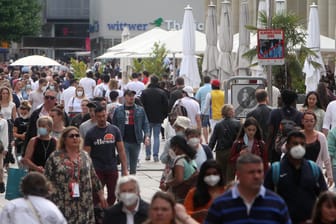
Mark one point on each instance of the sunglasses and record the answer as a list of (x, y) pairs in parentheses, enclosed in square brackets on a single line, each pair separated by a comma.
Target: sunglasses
[(74, 136), (49, 97)]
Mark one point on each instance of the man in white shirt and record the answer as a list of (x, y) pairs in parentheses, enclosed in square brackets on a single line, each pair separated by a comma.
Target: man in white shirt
[(68, 93), (36, 97), (135, 84), (192, 107), (101, 89), (329, 121), (88, 84)]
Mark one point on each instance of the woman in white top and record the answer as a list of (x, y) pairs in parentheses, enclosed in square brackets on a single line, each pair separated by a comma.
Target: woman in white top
[(8, 110), (33, 208), (313, 103), (74, 104), (316, 144)]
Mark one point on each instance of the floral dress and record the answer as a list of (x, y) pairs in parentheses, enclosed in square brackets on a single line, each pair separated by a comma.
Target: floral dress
[(61, 171)]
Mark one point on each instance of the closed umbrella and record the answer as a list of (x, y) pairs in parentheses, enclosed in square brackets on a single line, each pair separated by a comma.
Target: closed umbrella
[(209, 66), (313, 74), (124, 62), (244, 39), (189, 69), (262, 7), (225, 41), (36, 60)]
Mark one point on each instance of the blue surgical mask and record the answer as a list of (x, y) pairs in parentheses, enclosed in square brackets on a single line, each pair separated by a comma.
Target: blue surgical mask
[(52, 87), (42, 131)]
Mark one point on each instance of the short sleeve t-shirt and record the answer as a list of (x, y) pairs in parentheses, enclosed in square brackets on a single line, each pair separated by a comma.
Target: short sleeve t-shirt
[(103, 143), (129, 135)]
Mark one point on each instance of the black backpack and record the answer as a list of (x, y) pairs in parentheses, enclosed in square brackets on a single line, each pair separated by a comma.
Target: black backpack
[(286, 125)]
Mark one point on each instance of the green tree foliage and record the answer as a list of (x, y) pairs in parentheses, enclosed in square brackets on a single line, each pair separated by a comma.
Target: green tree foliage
[(19, 18), (290, 74), (154, 64), (79, 68)]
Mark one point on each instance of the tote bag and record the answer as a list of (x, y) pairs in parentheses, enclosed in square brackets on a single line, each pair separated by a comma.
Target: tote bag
[(13, 182)]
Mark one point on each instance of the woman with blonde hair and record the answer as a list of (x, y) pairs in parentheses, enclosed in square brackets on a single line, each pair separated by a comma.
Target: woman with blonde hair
[(8, 111), (74, 104), (71, 172), (40, 147), (57, 114)]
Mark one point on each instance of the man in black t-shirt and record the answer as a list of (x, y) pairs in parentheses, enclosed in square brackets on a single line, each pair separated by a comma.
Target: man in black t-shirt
[(101, 142)]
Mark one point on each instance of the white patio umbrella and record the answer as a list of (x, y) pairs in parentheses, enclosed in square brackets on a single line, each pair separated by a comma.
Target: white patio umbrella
[(209, 65), (263, 6), (313, 75), (189, 70), (225, 41), (244, 39), (125, 62), (37, 60)]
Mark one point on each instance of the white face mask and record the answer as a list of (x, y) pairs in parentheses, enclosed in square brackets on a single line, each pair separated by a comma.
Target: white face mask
[(172, 154), (297, 152), (128, 198), (180, 133), (24, 116), (80, 93), (211, 180), (44, 88), (194, 142)]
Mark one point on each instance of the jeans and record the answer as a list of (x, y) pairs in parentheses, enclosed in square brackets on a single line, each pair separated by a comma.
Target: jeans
[(108, 178), (132, 153), (156, 127)]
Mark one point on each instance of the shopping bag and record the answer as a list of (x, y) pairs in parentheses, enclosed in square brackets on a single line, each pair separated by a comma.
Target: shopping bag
[(13, 182)]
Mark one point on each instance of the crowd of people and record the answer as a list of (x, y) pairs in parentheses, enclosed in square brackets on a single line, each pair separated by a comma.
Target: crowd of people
[(79, 137)]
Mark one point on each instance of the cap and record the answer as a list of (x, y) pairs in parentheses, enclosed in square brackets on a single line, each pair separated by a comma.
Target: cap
[(182, 122), (215, 83), (188, 90), (88, 71), (129, 92)]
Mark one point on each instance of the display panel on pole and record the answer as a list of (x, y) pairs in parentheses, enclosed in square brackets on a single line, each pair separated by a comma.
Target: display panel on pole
[(271, 47)]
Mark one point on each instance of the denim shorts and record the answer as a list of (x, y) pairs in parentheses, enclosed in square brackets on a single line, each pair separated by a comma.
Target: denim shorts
[(205, 120)]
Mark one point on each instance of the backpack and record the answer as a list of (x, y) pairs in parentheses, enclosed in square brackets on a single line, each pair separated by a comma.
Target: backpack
[(276, 172), (103, 91), (177, 110), (286, 125)]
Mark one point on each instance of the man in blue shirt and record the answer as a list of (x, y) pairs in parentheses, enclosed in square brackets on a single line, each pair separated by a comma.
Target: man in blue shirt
[(248, 201), (200, 97)]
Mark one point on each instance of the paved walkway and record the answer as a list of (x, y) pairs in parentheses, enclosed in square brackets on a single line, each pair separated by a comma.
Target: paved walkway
[(148, 174)]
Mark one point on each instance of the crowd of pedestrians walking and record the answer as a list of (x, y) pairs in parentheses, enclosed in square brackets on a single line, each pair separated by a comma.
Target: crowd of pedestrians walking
[(79, 137)]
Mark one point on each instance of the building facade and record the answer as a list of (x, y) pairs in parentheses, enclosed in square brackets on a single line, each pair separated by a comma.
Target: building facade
[(107, 19), (65, 29)]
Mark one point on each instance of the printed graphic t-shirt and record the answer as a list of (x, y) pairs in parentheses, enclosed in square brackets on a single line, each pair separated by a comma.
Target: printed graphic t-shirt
[(103, 145), (129, 135)]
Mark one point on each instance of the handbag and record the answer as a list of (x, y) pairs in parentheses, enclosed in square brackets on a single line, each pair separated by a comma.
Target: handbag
[(13, 182)]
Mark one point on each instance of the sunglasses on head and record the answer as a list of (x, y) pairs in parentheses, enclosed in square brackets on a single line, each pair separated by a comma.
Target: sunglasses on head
[(49, 97), (73, 136)]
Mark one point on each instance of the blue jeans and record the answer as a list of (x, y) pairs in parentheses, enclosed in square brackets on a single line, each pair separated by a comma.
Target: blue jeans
[(132, 153), (156, 127)]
